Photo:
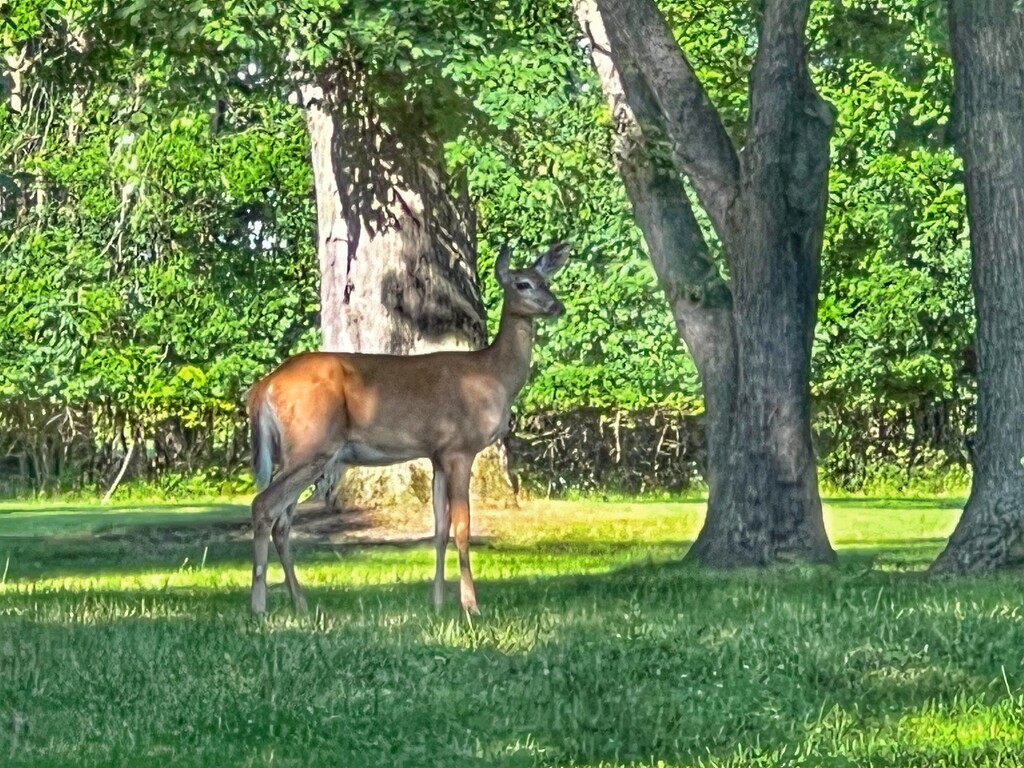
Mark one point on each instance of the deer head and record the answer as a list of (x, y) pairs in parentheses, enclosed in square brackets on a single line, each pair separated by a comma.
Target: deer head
[(526, 290)]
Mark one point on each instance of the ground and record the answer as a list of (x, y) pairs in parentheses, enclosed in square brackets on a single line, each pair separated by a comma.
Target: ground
[(125, 639)]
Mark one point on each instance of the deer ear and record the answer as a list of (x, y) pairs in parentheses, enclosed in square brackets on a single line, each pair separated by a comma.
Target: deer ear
[(501, 264), (552, 260)]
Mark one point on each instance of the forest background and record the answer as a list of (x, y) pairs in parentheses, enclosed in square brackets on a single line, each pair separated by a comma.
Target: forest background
[(158, 251)]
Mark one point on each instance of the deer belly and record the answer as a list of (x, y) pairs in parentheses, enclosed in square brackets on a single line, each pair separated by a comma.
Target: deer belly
[(363, 455)]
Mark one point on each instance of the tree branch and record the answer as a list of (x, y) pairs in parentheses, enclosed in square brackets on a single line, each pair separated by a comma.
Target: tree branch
[(701, 149), (699, 297), (790, 123), (677, 246), (780, 83), (120, 475)]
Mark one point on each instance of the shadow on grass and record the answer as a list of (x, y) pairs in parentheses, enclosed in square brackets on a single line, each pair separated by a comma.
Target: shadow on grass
[(144, 541), (644, 663), (891, 555), (894, 503)]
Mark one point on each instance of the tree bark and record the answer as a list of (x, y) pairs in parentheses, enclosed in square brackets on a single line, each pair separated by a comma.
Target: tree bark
[(700, 299), (751, 336), (396, 241), (397, 252), (988, 58)]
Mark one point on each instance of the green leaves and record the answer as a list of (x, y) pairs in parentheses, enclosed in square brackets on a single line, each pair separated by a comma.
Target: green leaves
[(897, 312), (158, 226), (159, 265)]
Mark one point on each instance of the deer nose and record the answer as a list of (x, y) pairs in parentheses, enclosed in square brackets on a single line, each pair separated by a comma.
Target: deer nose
[(556, 308)]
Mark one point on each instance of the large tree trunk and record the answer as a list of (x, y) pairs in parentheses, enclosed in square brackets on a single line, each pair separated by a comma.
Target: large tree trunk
[(750, 337), (988, 58), (397, 252), (770, 506), (397, 245)]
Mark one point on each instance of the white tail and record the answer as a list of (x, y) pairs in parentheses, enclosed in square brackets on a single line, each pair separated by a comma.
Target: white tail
[(321, 411), (264, 437)]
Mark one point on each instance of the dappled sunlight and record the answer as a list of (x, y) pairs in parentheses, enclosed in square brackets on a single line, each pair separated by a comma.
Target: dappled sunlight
[(973, 722), (61, 608), (850, 524), (596, 646), (158, 581), (580, 521), (34, 519)]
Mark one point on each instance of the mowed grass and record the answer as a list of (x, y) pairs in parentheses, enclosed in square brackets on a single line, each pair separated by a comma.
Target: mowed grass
[(125, 639)]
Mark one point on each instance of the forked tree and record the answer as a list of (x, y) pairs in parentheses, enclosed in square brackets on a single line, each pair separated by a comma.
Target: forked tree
[(319, 411), (988, 67), (748, 321)]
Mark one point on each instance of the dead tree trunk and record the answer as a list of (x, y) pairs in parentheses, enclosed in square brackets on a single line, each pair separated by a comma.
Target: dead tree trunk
[(750, 336), (988, 59), (397, 253)]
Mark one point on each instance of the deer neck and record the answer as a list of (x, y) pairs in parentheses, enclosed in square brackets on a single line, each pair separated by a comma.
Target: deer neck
[(511, 350)]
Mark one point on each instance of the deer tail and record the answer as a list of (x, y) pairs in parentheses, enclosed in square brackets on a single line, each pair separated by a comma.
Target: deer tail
[(265, 435)]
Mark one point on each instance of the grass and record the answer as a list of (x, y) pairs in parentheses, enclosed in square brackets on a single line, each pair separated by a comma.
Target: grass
[(125, 640)]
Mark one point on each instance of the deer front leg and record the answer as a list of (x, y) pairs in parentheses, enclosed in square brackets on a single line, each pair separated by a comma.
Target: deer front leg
[(457, 473), (442, 527)]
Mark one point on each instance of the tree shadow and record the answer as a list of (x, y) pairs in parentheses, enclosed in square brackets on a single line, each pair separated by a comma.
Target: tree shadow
[(146, 540), (888, 503), (643, 663), (149, 540)]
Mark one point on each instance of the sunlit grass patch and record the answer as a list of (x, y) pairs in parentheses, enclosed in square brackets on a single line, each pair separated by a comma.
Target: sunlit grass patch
[(133, 645)]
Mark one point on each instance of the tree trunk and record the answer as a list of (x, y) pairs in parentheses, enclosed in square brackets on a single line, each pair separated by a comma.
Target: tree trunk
[(700, 299), (988, 58), (397, 252), (750, 337)]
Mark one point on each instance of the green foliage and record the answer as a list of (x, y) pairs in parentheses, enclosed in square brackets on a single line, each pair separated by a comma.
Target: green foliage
[(160, 264), (896, 314), (617, 347), (205, 483), (157, 221)]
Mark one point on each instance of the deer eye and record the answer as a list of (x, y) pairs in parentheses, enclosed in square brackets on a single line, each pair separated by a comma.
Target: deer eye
[(522, 285)]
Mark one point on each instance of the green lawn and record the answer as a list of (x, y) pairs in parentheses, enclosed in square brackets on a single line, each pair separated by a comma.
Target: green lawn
[(125, 640)]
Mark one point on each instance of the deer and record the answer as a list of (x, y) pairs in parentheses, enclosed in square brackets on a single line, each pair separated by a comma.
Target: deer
[(319, 412)]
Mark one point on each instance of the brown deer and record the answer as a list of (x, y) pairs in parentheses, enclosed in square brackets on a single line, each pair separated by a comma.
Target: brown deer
[(321, 411)]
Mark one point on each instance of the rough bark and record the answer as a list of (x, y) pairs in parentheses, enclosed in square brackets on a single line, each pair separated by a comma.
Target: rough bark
[(751, 337), (396, 240), (699, 297), (697, 137), (988, 58), (397, 253)]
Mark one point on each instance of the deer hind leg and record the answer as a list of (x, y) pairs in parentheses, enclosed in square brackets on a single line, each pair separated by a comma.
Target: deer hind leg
[(333, 474), (442, 528), (457, 474), (268, 506), (281, 533)]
